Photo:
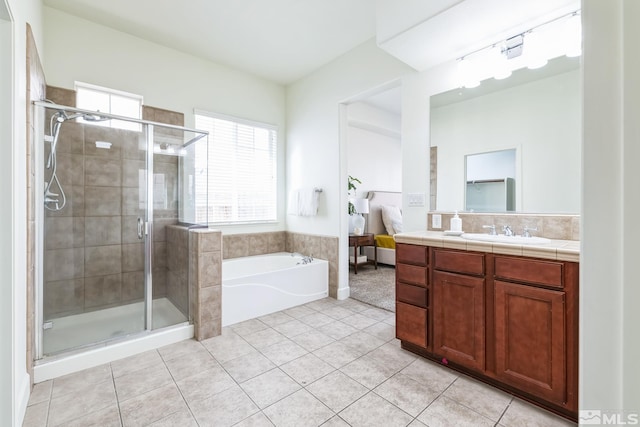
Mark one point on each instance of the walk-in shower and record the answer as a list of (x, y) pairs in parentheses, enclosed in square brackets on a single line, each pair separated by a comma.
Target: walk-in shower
[(108, 270)]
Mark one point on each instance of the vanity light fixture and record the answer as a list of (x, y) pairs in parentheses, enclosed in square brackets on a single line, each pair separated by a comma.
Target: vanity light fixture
[(532, 48)]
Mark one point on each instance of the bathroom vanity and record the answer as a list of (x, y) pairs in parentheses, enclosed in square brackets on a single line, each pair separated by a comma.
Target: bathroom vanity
[(506, 314)]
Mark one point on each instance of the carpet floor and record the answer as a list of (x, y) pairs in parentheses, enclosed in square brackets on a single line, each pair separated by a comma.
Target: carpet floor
[(375, 287)]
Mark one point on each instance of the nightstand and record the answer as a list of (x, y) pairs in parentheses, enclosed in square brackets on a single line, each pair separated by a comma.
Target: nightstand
[(366, 239)]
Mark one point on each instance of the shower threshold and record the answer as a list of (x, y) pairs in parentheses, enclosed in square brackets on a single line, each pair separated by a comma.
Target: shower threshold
[(94, 327), (170, 326)]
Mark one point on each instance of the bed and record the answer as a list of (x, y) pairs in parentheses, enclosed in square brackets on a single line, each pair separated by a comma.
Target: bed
[(389, 203)]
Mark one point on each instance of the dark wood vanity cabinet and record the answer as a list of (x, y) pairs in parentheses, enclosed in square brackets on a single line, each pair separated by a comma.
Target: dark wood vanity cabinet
[(511, 321), (412, 286), (536, 327), (459, 319), (530, 339)]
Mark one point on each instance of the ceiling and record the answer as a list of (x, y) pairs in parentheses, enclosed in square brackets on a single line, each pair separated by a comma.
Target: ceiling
[(285, 40), (280, 40)]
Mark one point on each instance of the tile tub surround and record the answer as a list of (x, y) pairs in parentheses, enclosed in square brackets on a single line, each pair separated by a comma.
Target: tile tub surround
[(551, 226), (286, 368), (205, 271), (195, 276), (322, 247)]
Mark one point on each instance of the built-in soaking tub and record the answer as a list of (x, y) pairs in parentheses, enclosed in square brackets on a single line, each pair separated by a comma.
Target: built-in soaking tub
[(258, 285)]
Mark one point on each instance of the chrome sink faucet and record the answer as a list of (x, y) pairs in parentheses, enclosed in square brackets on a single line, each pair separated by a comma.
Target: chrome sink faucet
[(527, 231), (507, 230), (492, 229)]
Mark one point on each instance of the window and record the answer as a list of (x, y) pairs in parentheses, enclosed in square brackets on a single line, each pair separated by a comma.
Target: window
[(241, 170), (105, 100)]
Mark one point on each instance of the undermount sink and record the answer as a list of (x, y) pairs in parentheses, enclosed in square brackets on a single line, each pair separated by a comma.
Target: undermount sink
[(501, 238)]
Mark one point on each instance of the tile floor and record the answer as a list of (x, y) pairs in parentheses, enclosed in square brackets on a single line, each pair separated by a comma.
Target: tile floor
[(327, 363)]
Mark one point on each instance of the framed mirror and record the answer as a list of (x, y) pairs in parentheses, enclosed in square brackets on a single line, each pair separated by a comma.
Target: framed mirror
[(535, 113), (490, 181)]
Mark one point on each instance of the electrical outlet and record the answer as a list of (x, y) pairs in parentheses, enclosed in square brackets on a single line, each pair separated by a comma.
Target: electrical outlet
[(436, 221)]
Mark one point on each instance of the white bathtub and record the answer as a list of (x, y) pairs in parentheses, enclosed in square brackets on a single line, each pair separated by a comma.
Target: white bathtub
[(258, 285)]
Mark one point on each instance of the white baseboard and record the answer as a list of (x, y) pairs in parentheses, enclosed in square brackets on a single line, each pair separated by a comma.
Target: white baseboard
[(343, 293), (23, 391)]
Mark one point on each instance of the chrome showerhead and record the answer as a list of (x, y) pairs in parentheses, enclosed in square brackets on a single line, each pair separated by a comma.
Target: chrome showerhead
[(90, 117), (94, 118)]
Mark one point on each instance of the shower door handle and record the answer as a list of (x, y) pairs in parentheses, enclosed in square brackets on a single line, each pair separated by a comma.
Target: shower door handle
[(140, 228)]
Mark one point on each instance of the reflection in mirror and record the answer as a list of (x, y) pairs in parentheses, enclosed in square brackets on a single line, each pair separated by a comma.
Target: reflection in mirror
[(537, 113), (490, 181)]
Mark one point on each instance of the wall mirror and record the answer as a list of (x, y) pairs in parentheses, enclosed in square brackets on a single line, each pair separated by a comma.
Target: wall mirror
[(490, 181), (534, 113)]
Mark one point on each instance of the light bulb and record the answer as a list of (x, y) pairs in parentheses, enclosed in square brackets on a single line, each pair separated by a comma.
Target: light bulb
[(573, 36), (534, 50), (499, 64), (466, 74)]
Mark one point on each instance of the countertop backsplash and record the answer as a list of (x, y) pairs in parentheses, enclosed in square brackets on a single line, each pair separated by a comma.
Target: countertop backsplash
[(551, 226)]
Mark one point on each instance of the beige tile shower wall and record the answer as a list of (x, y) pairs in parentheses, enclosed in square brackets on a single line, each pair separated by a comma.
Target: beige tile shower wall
[(36, 90), (178, 267), (205, 271), (562, 227), (94, 258)]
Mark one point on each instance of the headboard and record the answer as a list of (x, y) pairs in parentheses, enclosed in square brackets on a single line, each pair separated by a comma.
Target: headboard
[(377, 199)]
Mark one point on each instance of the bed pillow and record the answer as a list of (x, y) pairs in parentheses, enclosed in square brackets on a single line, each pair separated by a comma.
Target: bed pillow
[(392, 219)]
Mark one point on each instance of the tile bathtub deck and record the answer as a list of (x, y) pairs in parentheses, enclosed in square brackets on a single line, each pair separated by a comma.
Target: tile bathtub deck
[(326, 363)]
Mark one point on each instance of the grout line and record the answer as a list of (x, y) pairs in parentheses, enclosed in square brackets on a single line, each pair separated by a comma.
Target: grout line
[(115, 390), (505, 410), (164, 362)]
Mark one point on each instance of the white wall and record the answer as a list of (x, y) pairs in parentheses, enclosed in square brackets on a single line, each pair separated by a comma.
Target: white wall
[(14, 380), (609, 291), (315, 155), (374, 154), (79, 50), (540, 119)]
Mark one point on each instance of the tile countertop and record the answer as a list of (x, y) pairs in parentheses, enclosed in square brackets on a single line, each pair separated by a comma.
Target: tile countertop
[(561, 250)]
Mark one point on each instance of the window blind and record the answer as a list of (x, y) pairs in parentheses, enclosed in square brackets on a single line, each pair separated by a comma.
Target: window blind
[(242, 170)]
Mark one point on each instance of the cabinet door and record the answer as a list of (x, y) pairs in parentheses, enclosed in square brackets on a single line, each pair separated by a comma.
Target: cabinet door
[(411, 324), (531, 340), (458, 319)]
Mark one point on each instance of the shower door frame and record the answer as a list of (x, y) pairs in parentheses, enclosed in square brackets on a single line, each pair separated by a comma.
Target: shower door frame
[(39, 108)]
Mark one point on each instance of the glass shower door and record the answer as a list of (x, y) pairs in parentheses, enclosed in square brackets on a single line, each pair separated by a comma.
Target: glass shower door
[(112, 247), (94, 233), (170, 304)]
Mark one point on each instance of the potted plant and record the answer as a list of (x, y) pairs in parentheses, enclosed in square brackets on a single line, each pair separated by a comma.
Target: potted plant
[(352, 187), (357, 207)]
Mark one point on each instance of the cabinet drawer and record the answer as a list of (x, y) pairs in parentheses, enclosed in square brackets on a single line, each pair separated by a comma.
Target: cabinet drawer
[(537, 272), (411, 324), (411, 274), (411, 254), (459, 262), (411, 294)]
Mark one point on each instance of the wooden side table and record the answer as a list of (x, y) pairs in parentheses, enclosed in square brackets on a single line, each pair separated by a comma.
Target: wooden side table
[(357, 241)]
